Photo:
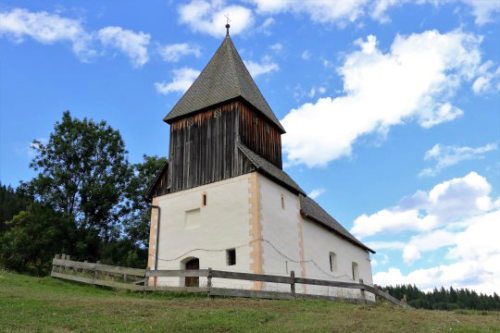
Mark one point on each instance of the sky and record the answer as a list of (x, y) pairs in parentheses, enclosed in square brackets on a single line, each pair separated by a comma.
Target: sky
[(391, 107)]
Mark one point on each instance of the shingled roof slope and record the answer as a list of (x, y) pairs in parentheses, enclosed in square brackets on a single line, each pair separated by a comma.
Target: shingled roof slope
[(224, 78), (269, 169), (310, 209)]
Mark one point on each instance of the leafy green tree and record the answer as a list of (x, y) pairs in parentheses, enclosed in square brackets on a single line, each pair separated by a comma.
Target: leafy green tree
[(11, 203), (138, 206), (84, 173), (33, 237)]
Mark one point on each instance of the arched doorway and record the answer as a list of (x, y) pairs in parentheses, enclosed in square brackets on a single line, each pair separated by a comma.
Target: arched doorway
[(192, 264)]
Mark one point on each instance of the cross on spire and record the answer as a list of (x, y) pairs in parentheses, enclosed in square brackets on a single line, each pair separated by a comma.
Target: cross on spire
[(227, 24)]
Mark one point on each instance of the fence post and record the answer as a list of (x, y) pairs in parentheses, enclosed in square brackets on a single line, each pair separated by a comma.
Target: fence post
[(95, 270), (363, 296), (292, 283), (209, 282)]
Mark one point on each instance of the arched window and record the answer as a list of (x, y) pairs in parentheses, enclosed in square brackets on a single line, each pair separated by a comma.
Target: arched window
[(333, 261), (355, 271)]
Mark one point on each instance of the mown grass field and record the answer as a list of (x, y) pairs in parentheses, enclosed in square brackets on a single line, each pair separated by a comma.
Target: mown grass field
[(29, 304)]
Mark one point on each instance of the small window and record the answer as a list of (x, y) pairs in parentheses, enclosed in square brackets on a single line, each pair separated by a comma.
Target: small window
[(204, 199), (231, 257), (355, 271), (282, 201), (333, 262)]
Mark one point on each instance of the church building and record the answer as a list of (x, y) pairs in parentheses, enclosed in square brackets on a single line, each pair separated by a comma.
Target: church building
[(224, 201)]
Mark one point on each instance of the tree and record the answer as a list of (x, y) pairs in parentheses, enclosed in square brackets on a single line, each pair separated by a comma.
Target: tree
[(83, 174), (11, 203), (138, 208), (33, 237)]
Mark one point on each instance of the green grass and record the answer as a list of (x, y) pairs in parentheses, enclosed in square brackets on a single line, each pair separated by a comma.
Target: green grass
[(29, 304)]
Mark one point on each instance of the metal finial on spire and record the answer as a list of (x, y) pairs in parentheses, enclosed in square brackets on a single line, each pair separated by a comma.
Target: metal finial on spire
[(227, 25)]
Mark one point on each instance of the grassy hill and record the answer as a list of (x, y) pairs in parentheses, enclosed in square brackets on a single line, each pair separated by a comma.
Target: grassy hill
[(29, 304)]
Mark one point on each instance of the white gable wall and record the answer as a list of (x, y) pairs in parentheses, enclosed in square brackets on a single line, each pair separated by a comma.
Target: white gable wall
[(280, 232), (283, 231)]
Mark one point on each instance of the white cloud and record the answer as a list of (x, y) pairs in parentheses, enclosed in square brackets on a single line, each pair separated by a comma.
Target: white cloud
[(306, 55), (182, 80), (383, 245), (488, 79), (133, 44), (476, 251), (266, 66), (414, 80), (210, 17), (315, 193), (345, 11), (427, 242), (448, 202), (315, 91), (277, 47), (447, 156), (323, 11), (47, 29), (467, 225), (174, 52), (483, 10)]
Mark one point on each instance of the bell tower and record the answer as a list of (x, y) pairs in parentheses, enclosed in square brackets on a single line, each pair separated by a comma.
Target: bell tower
[(219, 117)]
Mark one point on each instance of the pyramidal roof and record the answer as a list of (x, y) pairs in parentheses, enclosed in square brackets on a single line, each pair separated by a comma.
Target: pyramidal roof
[(224, 78)]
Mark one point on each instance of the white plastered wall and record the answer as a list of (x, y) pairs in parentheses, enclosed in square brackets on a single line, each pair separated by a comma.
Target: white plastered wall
[(283, 231), (289, 242), (318, 243), (223, 224), (280, 232)]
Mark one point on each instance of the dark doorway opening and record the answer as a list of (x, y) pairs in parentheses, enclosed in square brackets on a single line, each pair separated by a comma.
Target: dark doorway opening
[(192, 281)]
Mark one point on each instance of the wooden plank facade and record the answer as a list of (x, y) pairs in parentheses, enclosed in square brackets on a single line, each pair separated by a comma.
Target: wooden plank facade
[(203, 146)]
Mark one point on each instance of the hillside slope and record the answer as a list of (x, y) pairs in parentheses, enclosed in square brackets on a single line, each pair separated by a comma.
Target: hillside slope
[(30, 304)]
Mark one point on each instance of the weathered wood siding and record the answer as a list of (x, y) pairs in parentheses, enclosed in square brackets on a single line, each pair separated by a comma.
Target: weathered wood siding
[(161, 185), (260, 135), (203, 148)]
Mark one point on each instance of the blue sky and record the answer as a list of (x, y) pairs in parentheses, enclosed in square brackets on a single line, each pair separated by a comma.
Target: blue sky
[(392, 109)]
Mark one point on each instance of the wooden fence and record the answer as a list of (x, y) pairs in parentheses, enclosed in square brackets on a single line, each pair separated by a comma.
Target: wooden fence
[(137, 279)]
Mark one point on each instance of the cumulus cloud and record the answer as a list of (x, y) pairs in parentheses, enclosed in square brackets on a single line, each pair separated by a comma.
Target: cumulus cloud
[(323, 11), (210, 17), (447, 202), (133, 44), (46, 28), (476, 251), (467, 224), (174, 52), (347, 11), (315, 193), (265, 66), (181, 81), (447, 156), (483, 10), (488, 79), (415, 80)]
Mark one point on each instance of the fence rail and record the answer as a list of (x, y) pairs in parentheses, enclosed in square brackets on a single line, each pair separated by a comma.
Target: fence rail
[(136, 279)]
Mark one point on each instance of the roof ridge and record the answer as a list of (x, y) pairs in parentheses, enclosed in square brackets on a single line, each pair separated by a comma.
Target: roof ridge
[(269, 169)]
